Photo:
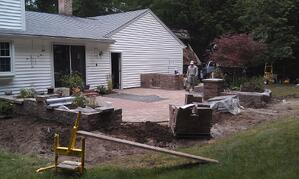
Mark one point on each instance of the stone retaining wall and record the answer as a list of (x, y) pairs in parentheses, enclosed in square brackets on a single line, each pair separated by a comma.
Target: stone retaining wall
[(162, 81), (31, 107), (251, 99)]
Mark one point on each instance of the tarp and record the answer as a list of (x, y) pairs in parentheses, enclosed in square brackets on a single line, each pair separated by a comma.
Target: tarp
[(229, 104)]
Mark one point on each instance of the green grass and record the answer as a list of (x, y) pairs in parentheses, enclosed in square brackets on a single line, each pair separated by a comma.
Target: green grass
[(268, 151), (281, 91)]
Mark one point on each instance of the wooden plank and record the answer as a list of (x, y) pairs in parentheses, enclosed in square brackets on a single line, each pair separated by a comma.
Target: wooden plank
[(147, 147)]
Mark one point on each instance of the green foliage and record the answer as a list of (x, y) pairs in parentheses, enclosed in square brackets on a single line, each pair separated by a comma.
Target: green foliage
[(102, 90), (242, 83), (5, 107), (106, 89), (27, 93), (274, 22), (73, 80), (50, 6), (109, 84), (254, 84), (235, 83), (79, 101)]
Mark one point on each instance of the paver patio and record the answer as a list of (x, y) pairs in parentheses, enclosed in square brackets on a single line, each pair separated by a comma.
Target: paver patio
[(137, 111)]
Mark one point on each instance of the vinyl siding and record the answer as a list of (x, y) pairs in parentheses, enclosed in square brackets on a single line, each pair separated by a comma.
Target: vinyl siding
[(12, 14), (146, 47), (38, 73), (97, 66), (31, 66)]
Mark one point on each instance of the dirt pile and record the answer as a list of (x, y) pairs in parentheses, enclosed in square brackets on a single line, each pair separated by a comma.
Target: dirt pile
[(27, 136), (144, 132), (35, 137)]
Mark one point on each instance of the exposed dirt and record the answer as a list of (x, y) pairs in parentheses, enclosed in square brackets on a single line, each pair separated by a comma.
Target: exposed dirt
[(28, 136), (142, 132)]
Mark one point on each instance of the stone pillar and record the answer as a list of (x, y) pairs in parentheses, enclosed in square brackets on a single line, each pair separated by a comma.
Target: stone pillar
[(212, 87)]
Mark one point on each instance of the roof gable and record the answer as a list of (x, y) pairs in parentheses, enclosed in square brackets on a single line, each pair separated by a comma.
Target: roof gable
[(114, 22), (121, 20)]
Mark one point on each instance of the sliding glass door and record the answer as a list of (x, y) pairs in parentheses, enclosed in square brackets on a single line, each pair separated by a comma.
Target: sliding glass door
[(68, 59)]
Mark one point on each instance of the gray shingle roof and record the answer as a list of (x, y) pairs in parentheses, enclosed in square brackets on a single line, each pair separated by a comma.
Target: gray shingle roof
[(114, 21), (55, 25)]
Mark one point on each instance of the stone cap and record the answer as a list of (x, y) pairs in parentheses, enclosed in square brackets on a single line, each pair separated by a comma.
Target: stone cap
[(213, 80)]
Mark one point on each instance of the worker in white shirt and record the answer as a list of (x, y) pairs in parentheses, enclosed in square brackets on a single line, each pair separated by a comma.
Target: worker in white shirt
[(192, 74)]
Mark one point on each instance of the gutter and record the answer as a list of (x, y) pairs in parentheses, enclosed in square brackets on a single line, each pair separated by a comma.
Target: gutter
[(108, 41)]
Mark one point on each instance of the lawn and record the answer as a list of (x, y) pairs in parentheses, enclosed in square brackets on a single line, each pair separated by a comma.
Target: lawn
[(268, 151), (282, 91)]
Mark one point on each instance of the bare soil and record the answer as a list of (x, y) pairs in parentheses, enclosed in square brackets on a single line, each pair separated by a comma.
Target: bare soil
[(35, 137)]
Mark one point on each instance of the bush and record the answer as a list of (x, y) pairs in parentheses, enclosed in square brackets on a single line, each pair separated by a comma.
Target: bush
[(79, 101), (73, 80), (254, 84), (102, 90), (5, 107), (235, 83), (109, 84), (27, 93)]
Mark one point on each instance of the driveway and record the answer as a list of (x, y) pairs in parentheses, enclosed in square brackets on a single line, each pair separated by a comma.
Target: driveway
[(142, 104)]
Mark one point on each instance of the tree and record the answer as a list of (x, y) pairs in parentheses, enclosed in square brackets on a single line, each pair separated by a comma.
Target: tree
[(274, 22), (50, 6), (238, 50)]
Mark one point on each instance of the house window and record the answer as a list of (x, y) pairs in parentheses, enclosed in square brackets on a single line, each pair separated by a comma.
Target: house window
[(5, 57)]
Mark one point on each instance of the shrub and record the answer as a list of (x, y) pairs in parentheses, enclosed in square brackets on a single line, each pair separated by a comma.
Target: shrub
[(27, 93), (254, 84), (109, 84), (235, 83), (73, 80), (102, 90), (79, 101), (5, 107)]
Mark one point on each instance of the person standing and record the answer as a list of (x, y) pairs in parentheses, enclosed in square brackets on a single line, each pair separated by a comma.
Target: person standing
[(192, 74)]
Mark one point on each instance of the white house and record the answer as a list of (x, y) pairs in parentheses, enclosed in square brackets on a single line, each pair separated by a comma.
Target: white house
[(37, 48)]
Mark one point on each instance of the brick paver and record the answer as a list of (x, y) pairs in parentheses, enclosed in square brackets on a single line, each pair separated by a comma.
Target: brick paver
[(134, 111)]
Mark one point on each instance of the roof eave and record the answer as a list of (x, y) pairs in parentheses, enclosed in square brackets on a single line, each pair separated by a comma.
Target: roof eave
[(109, 41)]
